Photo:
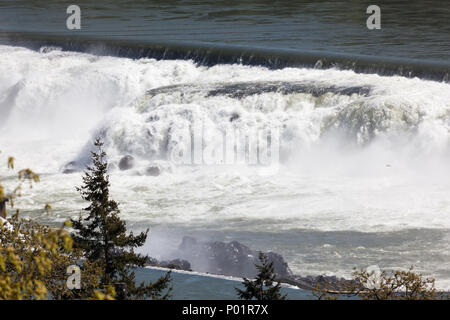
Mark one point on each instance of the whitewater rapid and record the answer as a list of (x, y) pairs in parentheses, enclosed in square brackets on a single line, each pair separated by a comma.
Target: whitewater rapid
[(360, 154)]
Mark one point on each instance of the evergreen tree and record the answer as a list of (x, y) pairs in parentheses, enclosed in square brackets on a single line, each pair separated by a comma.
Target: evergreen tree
[(102, 236), (262, 288)]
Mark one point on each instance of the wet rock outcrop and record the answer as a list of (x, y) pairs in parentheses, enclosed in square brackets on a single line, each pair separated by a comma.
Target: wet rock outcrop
[(71, 167), (227, 258), (126, 162), (177, 264), (153, 171), (235, 259)]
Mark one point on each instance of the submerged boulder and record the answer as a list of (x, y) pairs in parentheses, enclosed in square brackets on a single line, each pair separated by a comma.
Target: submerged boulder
[(234, 116), (153, 171), (157, 167), (112, 166), (126, 162), (71, 167)]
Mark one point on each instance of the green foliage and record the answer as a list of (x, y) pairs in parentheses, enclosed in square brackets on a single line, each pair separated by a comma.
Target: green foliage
[(102, 236), (263, 287), (34, 258), (395, 285), (27, 258)]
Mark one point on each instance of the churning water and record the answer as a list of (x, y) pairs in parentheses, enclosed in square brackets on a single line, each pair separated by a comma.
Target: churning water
[(363, 177)]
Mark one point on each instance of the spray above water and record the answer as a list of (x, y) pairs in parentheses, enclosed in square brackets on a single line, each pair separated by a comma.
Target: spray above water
[(148, 108), (183, 114), (357, 152)]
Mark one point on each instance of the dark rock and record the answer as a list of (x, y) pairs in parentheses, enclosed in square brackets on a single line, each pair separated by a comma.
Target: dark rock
[(126, 162), (331, 283), (153, 171), (281, 267), (151, 262), (151, 119), (234, 116), (231, 259), (71, 167), (236, 259), (177, 264)]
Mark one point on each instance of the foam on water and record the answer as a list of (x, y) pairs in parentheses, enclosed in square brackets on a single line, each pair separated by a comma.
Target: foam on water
[(366, 160)]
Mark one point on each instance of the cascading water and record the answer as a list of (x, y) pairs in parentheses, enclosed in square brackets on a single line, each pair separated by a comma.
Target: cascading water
[(363, 157)]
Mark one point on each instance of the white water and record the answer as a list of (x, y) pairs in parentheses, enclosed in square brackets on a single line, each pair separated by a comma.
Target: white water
[(374, 165)]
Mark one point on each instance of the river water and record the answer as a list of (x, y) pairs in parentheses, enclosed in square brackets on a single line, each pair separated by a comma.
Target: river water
[(363, 174)]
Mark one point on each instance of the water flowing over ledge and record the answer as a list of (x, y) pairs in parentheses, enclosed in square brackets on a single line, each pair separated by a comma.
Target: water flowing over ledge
[(212, 54), (364, 173)]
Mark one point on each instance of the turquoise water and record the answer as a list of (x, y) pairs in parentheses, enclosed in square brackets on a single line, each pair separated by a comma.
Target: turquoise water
[(370, 190), (202, 287)]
